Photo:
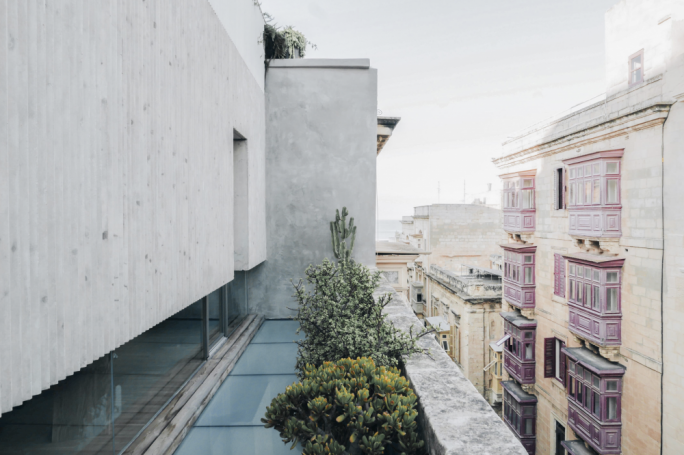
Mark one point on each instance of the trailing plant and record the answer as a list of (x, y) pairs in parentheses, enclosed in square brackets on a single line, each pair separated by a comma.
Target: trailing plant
[(283, 43), (340, 232), (342, 319), (347, 407)]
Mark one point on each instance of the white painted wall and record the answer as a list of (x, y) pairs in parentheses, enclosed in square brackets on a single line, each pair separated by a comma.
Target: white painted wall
[(116, 125)]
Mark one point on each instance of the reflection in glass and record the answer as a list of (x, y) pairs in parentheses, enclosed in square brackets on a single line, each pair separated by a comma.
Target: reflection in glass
[(611, 299), (72, 417), (611, 404)]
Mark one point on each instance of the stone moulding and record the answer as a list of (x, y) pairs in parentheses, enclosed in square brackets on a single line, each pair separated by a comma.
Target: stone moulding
[(454, 416), (608, 128)]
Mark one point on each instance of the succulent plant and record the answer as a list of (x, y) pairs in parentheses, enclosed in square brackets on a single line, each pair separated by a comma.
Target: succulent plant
[(347, 407)]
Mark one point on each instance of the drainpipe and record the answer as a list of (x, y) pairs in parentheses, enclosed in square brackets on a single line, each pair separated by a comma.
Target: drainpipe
[(662, 279)]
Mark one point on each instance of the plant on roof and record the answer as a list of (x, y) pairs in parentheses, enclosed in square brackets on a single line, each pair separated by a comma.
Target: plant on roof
[(283, 42), (341, 319), (347, 407)]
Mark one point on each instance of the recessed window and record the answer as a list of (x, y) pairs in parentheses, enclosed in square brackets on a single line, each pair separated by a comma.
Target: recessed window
[(636, 68)]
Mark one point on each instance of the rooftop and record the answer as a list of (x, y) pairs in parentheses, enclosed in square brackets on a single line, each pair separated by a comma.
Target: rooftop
[(396, 248)]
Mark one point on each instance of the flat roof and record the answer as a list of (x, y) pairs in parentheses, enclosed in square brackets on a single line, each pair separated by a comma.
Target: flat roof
[(439, 323), (518, 320), (386, 247)]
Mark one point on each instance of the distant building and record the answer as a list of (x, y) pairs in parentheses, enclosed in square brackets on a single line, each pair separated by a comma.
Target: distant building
[(393, 259), (466, 304)]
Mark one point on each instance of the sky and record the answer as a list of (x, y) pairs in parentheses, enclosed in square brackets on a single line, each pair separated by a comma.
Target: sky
[(463, 76)]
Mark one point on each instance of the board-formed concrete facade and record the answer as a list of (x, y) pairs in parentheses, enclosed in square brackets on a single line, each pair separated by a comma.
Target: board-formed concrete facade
[(117, 122), (644, 121)]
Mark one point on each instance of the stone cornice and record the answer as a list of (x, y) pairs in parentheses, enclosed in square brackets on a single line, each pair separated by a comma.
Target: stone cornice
[(649, 116)]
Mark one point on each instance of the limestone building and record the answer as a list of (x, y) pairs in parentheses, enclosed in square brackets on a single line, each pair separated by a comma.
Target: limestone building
[(592, 265)]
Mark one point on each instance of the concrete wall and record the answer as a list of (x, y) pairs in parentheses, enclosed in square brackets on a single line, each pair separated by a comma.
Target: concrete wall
[(116, 189), (321, 155)]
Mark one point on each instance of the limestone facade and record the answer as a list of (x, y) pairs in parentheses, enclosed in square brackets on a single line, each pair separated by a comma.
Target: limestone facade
[(643, 120)]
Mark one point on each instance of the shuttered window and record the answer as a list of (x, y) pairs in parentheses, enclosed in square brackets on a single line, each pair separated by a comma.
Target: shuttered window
[(554, 359), (559, 275), (559, 189), (549, 357)]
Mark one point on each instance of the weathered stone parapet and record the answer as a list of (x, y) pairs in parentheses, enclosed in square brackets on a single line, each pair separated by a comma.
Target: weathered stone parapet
[(454, 416)]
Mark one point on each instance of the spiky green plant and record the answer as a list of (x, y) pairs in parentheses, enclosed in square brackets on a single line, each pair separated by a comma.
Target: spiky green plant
[(347, 407), (340, 232)]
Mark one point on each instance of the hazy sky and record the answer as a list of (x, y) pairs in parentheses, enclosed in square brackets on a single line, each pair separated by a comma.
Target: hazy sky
[(463, 76)]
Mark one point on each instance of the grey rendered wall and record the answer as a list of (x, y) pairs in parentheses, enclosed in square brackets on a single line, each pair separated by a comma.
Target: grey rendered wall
[(321, 120), (116, 122)]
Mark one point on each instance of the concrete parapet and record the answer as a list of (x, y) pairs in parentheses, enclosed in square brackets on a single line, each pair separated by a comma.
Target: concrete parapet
[(454, 416)]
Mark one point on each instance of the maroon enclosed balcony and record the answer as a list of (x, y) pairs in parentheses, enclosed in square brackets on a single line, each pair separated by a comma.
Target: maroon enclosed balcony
[(520, 414), (518, 202), (519, 274), (519, 337), (594, 204), (595, 399), (594, 298)]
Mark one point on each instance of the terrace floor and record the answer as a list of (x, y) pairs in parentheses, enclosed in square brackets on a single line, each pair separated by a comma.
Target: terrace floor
[(230, 424)]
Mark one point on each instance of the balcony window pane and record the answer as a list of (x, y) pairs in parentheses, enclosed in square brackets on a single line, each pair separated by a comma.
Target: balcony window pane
[(580, 371), (611, 386), (597, 404), (611, 404), (527, 199), (529, 335), (597, 275), (579, 171), (587, 170), (528, 275), (571, 387), (596, 382), (596, 169), (579, 292), (587, 273), (580, 271), (611, 277), (587, 191), (529, 259), (612, 168), (587, 376), (528, 351), (597, 192), (572, 290), (572, 193), (579, 392), (527, 183), (528, 410), (587, 294), (529, 423), (572, 269), (572, 173), (596, 301), (571, 366), (612, 192), (587, 398), (611, 299)]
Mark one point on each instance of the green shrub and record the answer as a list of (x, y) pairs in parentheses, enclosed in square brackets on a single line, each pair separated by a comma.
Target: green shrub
[(347, 407), (342, 320)]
